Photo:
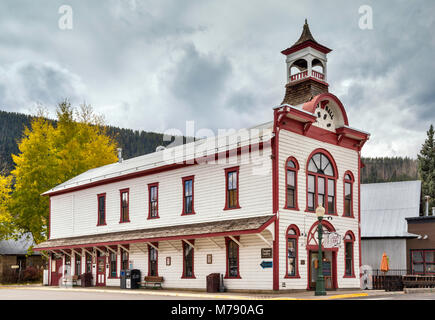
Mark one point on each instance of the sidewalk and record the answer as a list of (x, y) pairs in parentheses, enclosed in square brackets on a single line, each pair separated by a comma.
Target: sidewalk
[(304, 295)]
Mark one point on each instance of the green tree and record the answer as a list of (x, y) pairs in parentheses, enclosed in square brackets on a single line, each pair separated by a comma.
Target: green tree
[(49, 155), (426, 169)]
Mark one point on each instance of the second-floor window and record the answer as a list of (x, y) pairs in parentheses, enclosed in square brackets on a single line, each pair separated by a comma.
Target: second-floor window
[(188, 195), (101, 209), (348, 184), (153, 200), (292, 168), (232, 188), (124, 205)]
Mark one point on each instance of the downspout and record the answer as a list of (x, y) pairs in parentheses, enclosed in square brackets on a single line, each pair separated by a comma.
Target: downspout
[(275, 200)]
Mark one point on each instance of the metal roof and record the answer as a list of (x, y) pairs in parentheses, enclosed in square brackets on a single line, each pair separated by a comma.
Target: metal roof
[(16, 247), (384, 207), (174, 155)]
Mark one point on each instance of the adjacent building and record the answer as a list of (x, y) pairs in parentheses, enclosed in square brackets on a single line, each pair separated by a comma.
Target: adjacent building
[(241, 204)]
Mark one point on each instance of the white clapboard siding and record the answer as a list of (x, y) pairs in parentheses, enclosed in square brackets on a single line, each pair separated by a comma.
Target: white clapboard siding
[(300, 147), (75, 213)]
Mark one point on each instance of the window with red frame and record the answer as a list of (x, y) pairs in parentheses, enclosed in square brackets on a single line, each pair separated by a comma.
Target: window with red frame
[(188, 260), (232, 188), (152, 261), (348, 255), (348, 195), (292, 252), (112, 265), (291, 181), (78, 264), (188, 195), (321, 183), (124, 259), (153, 202), (232, 259), (88, 263), (124, 205), (101, 209)]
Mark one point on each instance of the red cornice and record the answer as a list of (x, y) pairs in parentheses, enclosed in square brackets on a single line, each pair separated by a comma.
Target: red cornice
[(308, 43)]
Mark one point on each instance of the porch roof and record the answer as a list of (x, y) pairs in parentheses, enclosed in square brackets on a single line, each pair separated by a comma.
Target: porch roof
[(189, 231)]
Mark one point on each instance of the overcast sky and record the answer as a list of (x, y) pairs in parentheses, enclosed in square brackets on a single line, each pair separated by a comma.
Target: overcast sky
[(152, 65)]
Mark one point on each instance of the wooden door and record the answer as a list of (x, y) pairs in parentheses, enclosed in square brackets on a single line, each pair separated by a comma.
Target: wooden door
[(56, 271), (101, 271)]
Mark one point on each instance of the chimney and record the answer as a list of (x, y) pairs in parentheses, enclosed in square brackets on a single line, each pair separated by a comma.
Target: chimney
[(119, 155)]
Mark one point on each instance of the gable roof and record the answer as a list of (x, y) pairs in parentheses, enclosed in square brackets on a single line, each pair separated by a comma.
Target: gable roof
[(384, 207), (16, 247)]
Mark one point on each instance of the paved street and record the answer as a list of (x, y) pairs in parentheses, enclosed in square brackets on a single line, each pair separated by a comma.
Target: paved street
[(412, 296)]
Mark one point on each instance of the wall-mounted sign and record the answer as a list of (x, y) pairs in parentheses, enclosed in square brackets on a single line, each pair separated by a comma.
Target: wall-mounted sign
[(302, 262), (168, 261), (209, 259), (266, 253), (266, 264), (331, 240)]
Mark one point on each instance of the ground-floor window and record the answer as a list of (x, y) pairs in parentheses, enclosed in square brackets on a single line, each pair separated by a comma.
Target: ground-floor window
[(152, 261), (423, 261), (188, 260), (348, 254), (292, 251), (88, 263), (124, 259), (232, 258), (112, 272), (78, 263)]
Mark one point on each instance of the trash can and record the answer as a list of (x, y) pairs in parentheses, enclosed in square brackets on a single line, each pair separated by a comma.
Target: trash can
[(213, 282), (135, 279), (128, 279), (86, 279), (123, 282)]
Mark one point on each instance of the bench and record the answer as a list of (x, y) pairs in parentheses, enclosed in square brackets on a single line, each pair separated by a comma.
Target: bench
[(152, 280), (74, 279)]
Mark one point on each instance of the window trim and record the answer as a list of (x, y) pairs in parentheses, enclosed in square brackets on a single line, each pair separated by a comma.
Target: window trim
[(152, 185), (121, 191), (227, 241), (296, 237), (227, 171), (352, 241), (88, 260), (326, 177), (120, 257), (183, 181), (351, 181), (110, 264), (183, 244), (99, 223), (423, 263), (295, 170), (157, 259)]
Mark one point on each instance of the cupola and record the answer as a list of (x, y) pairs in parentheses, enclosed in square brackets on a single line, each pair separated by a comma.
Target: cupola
[(306, 69)]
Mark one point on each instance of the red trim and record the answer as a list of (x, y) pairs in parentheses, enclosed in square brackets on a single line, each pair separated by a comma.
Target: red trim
[(227, 171), (49, 218), (296, 237), (307, 43), (350, 233), (316, 175), (227, 240), (151, 185), (183, 244), (311, 105), (99, 223), (305, 79), (97, 283), (183, 180), (295, 170), (156, 244), (351, 181), (191, 236), (359, 212), (128, 205)]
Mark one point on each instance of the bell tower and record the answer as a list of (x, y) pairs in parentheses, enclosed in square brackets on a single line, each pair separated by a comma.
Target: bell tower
[(306, 69)]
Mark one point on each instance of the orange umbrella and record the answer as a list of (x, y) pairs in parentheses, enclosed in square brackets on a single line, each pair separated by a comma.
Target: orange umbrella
[(384, 263)]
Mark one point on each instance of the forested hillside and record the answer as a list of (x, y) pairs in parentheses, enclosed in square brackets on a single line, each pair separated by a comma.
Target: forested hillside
[(135, 143), (132, 142)]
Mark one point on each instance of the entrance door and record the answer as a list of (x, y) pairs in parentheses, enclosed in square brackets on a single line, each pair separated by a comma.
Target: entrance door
[(328, 266), (56, 271), (101, 271)]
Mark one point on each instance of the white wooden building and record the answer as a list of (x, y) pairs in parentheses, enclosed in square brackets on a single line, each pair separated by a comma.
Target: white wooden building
[(240, 204)]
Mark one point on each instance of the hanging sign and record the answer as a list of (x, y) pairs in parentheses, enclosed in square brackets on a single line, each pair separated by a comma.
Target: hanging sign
[(331, 240)]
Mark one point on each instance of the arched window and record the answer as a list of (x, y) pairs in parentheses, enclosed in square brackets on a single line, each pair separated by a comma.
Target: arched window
[(291, 181), (292, 252), (349, 240), (348, 194), (321, 182)]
